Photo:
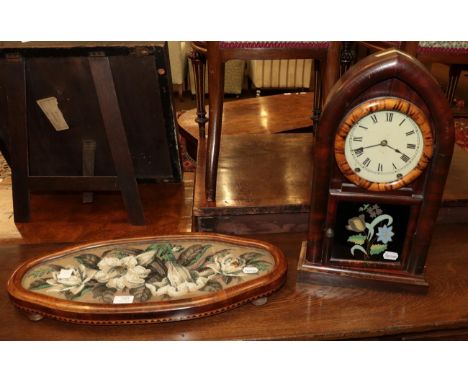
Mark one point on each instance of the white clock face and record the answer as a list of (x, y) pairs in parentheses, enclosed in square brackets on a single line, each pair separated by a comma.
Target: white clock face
[(384, 146)]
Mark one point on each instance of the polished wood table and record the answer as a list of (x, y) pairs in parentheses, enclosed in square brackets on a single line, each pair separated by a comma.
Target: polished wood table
[(264, 186), (258, 115), (297, 311)]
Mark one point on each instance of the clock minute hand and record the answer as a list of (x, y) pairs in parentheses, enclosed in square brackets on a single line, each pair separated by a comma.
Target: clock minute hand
[(394, 149)]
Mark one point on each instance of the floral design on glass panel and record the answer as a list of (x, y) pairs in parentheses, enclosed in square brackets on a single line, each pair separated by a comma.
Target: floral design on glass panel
[(372, 231), (158, 271)]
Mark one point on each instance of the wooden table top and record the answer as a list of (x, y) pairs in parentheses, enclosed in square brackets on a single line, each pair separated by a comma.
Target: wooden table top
[(275, 171), (297, 311), (269, 114)]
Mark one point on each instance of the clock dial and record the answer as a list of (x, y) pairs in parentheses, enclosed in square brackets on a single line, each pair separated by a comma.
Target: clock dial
[(383, 144)]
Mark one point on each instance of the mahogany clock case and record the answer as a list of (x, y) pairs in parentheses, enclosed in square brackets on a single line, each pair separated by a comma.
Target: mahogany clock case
[(342, 212), (148, 280)]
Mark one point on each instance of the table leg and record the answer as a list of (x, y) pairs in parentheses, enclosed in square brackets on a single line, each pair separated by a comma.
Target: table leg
[(216, 98), (115, 132), (199, 64), (18, 132)]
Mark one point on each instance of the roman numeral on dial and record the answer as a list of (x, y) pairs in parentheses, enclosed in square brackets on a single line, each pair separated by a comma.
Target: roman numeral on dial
[(374, 118), (357, 139), (366, 162), (389, 117), (410, 133), (359, 151), (411, 146), (380, 167), (405, 158)]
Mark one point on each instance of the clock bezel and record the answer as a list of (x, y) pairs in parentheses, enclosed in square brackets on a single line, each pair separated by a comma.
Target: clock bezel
[(375, 105)]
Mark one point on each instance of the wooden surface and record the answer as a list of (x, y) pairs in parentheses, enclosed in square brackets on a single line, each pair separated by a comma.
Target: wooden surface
[(297, 311), (63, 217), (273, 173), (268, 114), (274, 194), (260, 171)]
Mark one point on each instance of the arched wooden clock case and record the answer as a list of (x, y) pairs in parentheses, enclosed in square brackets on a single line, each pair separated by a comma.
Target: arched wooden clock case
[(382, 154)]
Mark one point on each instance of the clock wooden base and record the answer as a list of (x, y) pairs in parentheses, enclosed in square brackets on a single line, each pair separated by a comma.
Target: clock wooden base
[(148, 280), (398, 281)]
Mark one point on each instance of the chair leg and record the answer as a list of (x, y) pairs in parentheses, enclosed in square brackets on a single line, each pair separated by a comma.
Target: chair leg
[(199, 63), (347, 56), (317, 94), (454, 76), (17, 125), (115, 132), (216, 98)]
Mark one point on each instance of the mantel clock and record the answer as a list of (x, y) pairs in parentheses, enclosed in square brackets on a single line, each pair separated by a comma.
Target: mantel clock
[(382, 154)]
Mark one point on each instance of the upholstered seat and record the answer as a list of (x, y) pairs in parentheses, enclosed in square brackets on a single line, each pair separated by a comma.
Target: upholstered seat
[(456, 48)]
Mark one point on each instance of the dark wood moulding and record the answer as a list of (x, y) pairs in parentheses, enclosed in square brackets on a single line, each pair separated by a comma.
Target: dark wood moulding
[(195, 305)]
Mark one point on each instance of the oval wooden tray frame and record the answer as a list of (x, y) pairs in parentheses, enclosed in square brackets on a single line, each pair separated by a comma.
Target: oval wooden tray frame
[(38, 305)]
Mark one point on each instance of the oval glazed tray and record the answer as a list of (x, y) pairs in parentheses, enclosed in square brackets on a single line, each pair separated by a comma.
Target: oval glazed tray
[(146, 280)]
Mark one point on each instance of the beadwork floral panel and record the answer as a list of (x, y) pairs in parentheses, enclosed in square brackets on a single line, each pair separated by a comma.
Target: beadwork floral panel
[(370, 231), (148, 271)]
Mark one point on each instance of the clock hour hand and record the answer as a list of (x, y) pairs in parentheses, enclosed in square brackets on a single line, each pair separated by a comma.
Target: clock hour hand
[(378, 144), (382, 143), (361, 149)]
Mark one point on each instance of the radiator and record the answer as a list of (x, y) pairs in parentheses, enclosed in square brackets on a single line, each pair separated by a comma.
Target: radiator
[(287, 74)]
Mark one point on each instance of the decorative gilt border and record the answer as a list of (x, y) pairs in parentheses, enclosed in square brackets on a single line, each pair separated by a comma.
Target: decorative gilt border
[(154, 311), (381, 104)]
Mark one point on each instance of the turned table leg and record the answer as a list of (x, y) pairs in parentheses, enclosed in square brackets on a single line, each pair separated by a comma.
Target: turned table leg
[(216, 98), (199, 63)]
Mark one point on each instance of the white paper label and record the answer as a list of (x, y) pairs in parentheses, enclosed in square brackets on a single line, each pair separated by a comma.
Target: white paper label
[(123, 299), (65, 273), (388, 255), (50, 108), (250, 269)]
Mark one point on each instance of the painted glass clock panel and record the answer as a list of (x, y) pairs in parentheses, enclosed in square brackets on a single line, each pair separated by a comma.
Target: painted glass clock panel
[(369, 231), (384, 146)]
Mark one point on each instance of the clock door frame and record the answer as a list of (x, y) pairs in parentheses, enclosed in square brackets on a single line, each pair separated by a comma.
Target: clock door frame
[(357, 84)]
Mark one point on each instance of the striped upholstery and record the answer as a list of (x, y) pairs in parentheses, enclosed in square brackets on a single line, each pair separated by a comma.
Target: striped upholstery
[(445, 47), (273, 44)]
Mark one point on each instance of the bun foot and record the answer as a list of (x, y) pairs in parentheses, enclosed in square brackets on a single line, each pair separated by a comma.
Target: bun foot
[(260, 301), (35, 316)]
